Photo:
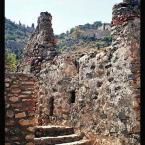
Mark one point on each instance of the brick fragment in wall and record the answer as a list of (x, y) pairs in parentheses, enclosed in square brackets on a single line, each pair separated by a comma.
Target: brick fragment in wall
[(28, 83), (27, 122), (7, 144), (24, 96), (20, 115), (9, 113), (16, 90), (16, 105), (14, 99), (31, 129), (10, 122), (29, 137), (27, 92), (7, 85), (30, 143)]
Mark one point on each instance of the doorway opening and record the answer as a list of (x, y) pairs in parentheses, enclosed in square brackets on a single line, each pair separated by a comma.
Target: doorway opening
[(72, 96), (51, 106)]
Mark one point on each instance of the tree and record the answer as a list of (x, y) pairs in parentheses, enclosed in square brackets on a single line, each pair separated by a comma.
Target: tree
[(72, 30), (10, 62), (97, 24), (32, 25), (20, 23), (108, 38)]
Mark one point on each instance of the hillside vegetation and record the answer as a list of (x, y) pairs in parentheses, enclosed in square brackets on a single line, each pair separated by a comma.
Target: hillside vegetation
[(96, 35), (16, 38)]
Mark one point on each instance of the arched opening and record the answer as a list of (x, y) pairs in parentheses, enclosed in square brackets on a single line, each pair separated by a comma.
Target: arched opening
[(51, 106)]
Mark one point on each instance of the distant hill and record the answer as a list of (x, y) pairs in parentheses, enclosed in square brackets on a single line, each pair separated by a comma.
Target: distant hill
[(16, 37), (96, 35)]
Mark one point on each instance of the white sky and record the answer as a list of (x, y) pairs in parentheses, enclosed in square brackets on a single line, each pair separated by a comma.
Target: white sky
[(65, 13)]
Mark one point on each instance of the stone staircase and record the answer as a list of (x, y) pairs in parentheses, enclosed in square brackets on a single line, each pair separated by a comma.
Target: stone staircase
[(58, 135)]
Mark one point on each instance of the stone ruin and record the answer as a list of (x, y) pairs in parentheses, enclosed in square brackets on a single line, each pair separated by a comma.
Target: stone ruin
[(41, 47), (132, 2), (95, 92)]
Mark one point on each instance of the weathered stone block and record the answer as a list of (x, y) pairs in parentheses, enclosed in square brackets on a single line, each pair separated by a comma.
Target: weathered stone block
[(9, 113), (18, 105), (7, 85), (27, 92), (31, 129), (29, 137), (20, 115), (30, 143), (24, 96), (16, 124), (14, 99), (16, 90), (7, 144), (15, 138), (28, 83), (26, 122), (10, 122)]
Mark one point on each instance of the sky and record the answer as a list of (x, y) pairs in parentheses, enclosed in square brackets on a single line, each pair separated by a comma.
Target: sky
[(66, 14)]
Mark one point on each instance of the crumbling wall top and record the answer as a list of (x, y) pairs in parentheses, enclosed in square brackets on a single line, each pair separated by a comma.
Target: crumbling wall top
[(132, 2)]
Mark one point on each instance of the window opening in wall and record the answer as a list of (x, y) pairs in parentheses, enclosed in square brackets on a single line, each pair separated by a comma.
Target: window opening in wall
[(51, 106), (72, 96), (76, 64)]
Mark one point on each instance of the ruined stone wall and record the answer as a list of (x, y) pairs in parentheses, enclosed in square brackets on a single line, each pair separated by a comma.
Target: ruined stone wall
[(109, 91), (20, 98), (95, 91), (41, 46), (57, 79), (98, 92)]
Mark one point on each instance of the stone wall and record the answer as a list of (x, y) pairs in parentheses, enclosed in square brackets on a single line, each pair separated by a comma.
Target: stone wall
[(41, 46), (20, 98), (98, 92), (95, 91), (109, 84)]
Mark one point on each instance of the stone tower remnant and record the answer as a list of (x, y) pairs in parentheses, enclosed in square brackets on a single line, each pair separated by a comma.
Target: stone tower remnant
[(41, 47)]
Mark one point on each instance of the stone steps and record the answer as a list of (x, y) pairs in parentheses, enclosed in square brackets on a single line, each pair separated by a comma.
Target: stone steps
[(80, 142), (58, 135), (43, 131), (58, 139)]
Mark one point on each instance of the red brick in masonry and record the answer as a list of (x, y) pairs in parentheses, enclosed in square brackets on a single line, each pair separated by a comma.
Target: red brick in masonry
[(16, 105), (32, 104), (29, 109), (28, 100), (122, 19)]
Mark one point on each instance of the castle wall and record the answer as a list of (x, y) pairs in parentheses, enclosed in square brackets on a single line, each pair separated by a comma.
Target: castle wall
[(20, 106), (105, 85), (109, 93), (57, 80), (40, 48), (95, 91)]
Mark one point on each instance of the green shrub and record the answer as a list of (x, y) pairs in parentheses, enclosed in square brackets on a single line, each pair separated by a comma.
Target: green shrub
[(10, 37), (10, 61)]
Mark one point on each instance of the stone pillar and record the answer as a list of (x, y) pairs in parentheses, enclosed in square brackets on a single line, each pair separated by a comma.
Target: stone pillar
[(41, 47), (20, 106)]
